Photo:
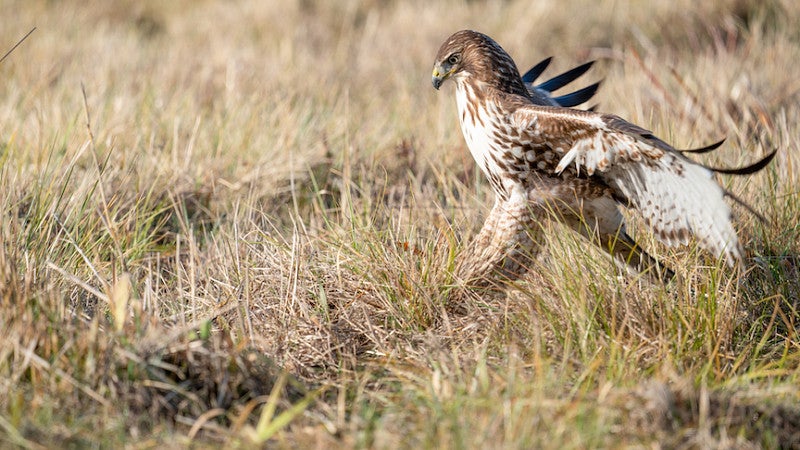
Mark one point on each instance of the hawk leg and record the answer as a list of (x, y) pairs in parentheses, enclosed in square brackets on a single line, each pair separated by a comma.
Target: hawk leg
[(504, 248)]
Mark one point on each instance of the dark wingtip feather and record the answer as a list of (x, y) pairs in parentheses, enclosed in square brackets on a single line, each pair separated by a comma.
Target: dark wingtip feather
[(565, 78), (535, 71), (746, 170), (749, 208), (577, 97), (705, 149)]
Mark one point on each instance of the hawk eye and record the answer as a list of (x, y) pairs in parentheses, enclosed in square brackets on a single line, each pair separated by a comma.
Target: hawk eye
[(454, 59)]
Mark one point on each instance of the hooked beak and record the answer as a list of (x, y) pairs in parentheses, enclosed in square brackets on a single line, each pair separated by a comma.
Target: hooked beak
[(438, 77)]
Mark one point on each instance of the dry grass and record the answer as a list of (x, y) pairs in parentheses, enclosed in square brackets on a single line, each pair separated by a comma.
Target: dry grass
[(237, 221)]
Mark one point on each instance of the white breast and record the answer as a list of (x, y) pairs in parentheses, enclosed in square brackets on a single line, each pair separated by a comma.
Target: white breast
[(479, 133)]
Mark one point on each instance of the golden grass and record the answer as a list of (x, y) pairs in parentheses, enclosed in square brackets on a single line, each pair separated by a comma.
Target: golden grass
[(236, 222)]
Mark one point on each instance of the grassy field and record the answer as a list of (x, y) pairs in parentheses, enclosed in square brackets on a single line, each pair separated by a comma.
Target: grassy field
[(236, 222)]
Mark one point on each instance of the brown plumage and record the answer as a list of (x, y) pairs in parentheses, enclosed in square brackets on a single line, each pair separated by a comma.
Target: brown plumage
[(572, 165)]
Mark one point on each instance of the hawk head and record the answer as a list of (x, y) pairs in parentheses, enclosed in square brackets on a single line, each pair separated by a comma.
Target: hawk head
[(469, 56)]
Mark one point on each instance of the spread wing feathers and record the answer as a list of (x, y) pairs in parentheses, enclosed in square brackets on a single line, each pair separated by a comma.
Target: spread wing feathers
[(542, 94), (677, 198), (746, 170)]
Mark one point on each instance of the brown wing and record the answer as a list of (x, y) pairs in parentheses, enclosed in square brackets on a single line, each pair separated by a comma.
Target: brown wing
[(677, 198)]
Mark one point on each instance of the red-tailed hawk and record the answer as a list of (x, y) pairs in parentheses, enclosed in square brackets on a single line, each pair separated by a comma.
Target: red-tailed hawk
[(546, 161)]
